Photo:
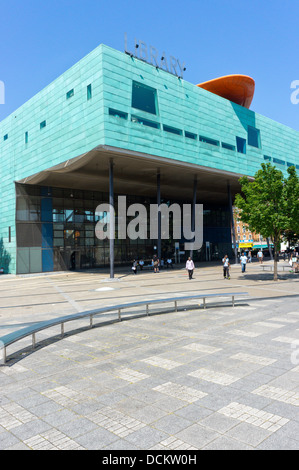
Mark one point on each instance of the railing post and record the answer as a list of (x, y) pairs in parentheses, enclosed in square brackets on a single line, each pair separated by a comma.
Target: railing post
[(175, 306), (204, 302), (4, 354), (147, 310), (33, 340), (119, 316), (233, 300), (90, 321), (62, 330)]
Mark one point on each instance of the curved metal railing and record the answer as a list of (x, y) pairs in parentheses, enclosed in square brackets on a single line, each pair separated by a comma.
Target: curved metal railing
[(31, 330)]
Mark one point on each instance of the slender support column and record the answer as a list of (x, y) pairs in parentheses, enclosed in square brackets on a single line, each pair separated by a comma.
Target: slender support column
[(232, 222), (159, 213), (112, 234), (193, 209)]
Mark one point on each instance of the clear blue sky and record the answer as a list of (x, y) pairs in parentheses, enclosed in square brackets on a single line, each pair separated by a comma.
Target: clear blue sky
[(40, 40)]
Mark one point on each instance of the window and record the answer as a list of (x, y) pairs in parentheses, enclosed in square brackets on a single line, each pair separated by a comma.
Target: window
[(5, 137), (70, 93), (42, 124), (144, 98), (190, 135), (207, 140), (267, 158), (254, 137), (26, 137), (172, 130), (241, 145), (278, 161), (116, 113), (89, 92), (145, 122), (228, 146)]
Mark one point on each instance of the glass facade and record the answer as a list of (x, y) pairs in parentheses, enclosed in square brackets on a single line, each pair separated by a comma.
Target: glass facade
[(56, 231)]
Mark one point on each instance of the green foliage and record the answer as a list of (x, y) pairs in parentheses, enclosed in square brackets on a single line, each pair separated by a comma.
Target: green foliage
[(270, 203)]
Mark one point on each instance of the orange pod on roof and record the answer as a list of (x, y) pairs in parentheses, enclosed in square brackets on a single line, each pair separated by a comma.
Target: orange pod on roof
[(236, 88)]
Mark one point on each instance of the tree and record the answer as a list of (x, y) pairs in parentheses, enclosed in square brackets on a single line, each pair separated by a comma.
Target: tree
[(270, 204)]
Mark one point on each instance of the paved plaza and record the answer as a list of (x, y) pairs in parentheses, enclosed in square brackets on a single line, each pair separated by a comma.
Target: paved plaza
[(217, 378)]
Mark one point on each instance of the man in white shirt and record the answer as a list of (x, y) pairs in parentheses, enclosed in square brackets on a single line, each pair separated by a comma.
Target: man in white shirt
[(243, 261), (190, 267)]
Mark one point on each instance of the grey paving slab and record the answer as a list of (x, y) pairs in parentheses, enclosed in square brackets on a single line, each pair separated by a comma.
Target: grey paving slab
[(219, 378)]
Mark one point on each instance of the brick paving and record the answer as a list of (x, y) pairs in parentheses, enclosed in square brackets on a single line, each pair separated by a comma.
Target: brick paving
[(219, 378)]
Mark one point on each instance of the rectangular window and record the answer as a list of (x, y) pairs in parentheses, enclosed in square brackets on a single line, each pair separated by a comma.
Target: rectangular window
[(190, 135), (172, 130), (241, 145), (42, 124), (89, 92), (267, 158), (254, 137), (144, 98), (207, 140), (116, 113), (278, 161), (228, 146), (145, 122), (9, 234), (290, 164), (26, 137), (5, 137), (70, 93)]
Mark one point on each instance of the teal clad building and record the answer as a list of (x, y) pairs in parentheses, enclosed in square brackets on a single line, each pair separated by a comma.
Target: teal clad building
[(162, 136)]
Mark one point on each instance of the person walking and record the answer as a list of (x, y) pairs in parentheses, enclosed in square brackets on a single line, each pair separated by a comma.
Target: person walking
[(155, 262), (190, 267), (260, 256), (226, 266), (134, 267), (243, 261)]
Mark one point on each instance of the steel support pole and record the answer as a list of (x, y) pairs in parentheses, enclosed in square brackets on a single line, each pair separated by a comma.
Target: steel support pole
[(111, 234), (159, 213), (232, 221), (193, 209)]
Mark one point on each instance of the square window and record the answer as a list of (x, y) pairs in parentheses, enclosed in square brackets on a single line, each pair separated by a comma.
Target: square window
[(144, 98), (42, 124), (254, 137), (5, 137), (70, 93), (241, 145)]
